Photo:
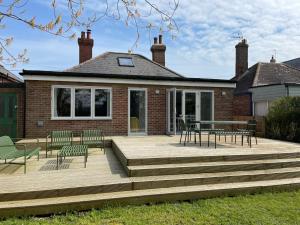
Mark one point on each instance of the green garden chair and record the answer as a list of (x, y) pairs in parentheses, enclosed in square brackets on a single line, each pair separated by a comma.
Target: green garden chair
[(9, 152), (93, 138), (58, 139)]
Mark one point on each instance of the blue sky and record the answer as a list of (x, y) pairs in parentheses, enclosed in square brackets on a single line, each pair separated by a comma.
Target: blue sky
[(204, 46)]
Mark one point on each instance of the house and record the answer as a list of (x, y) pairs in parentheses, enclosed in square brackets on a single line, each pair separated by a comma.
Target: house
[(261, 84), (11, 104), (121, 93)]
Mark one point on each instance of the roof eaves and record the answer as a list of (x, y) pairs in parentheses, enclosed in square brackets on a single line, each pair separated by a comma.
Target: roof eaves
[(117, 76)]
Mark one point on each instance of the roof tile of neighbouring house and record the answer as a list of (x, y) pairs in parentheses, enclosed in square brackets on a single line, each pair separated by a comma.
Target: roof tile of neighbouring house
[(262, 74), (294, 63), (107, 63)]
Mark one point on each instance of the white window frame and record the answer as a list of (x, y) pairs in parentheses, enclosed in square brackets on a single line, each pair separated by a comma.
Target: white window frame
[(73, 117)]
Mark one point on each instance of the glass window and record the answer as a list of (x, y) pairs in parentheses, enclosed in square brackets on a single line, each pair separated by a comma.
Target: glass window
[(82, 102), (137, 111), (125, 61), (190, 106), (102, 103), (62, 102), (206, 108)]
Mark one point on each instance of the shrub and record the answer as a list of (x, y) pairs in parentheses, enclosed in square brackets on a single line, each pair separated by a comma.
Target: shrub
[(283, 119)]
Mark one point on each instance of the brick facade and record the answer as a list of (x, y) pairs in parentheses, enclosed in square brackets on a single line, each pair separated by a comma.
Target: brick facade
[(242, 105), (38, 108), (20, 107)]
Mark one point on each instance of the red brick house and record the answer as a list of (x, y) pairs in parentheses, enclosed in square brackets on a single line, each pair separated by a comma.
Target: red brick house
[(11, 104), (122, 93), (258, 86)]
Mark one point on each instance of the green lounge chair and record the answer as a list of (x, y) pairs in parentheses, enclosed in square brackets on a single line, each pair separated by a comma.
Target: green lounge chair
[(8, 151), (93, 138), (58, 139)]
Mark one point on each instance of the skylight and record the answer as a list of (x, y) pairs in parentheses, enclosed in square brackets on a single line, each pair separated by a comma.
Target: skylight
[(125, 61)]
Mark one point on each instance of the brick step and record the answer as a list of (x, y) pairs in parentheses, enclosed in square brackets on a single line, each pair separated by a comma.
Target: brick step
[(211, 167), (84, 202), (209, 157), (166, 181)]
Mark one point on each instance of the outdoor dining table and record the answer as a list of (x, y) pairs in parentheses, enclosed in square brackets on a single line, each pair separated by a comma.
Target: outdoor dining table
[(213, 122)]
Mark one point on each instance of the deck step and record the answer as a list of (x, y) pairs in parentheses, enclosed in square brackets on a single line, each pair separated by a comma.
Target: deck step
[(246, 156), (165, 181), (211, 167), (60, 189), (85, 202)]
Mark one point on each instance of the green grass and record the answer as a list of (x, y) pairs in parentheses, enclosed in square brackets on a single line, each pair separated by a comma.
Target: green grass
[(269, 208)]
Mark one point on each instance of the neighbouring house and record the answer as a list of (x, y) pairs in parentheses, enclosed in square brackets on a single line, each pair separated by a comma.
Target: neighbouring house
[(11, 104), (121, 93), (258, 86)]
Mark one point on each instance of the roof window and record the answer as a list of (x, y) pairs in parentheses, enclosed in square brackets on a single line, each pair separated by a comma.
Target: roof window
[(125, 61)]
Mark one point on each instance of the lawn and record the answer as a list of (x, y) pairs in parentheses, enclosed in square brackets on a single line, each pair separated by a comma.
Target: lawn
[(269, 208)]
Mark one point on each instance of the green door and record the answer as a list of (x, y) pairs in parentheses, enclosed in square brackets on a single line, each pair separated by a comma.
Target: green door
[(8, 114)]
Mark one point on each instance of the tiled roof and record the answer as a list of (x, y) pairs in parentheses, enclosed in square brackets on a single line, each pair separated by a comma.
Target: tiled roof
[(107, 63), (262, 74), (294, 63)]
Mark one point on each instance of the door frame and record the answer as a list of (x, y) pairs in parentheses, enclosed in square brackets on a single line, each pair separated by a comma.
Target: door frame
[(146, 111), (169, 110), (197, 107)]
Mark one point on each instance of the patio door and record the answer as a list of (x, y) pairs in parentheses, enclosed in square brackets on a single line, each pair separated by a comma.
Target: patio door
[(8, 114), (137, 111), (171, 111), (188, 105)]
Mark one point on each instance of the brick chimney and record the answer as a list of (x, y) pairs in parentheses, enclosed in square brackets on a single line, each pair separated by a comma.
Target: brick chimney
[(158, 50), (241, 58), (86, 44)]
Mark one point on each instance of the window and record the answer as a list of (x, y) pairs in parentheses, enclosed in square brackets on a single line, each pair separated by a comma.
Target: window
[(62, 102), (102, 102), (81, 103), (123, 61)]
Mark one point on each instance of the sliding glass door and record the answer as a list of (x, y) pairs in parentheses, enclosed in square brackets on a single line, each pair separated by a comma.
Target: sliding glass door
[(137, 111), (188, 105)]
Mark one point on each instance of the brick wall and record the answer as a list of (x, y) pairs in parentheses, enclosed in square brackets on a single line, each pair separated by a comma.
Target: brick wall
[(38, 108), (20, 110), (242, 105)]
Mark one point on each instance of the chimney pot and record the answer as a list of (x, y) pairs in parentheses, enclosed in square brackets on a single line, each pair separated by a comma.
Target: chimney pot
[(273, 60), (82, 35), (155, 40), (88, 32), (160, 39)]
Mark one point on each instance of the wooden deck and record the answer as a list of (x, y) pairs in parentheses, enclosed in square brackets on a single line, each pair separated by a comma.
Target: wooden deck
[(160, 147), (146, 169)]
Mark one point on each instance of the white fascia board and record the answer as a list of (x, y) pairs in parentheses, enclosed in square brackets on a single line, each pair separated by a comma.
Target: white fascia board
[(128, 81)]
